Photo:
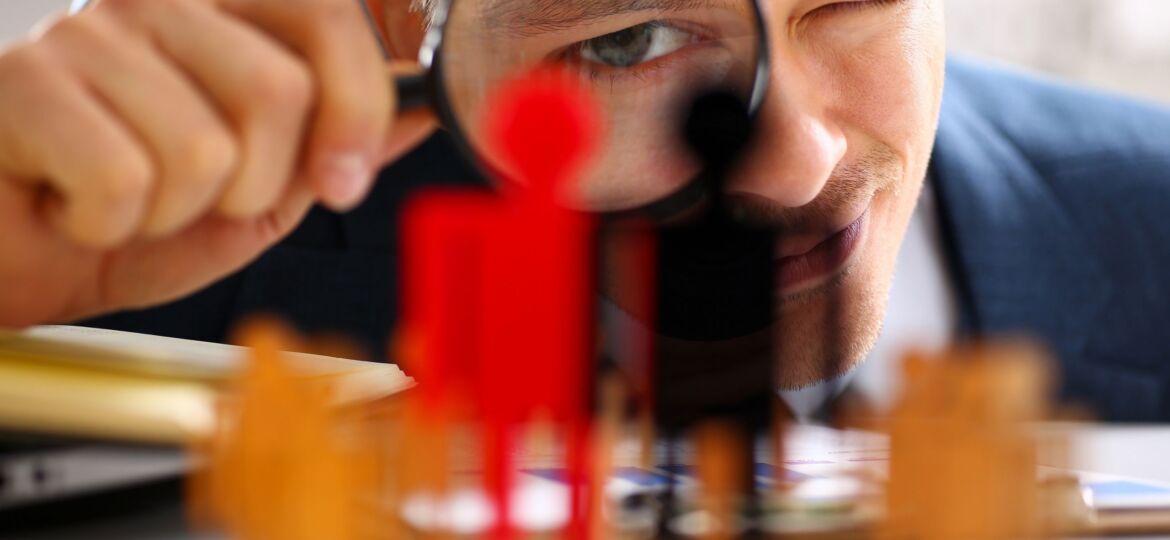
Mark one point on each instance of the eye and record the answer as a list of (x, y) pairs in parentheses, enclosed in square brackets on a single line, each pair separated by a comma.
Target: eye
[(635, 45)]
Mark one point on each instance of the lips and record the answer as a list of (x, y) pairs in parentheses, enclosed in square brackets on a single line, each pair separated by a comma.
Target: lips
[(824, 259)]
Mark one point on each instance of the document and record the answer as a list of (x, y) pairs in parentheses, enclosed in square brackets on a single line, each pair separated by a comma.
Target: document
[(123, 386)]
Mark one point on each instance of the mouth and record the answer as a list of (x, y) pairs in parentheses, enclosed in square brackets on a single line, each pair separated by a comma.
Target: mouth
[(804, 271)]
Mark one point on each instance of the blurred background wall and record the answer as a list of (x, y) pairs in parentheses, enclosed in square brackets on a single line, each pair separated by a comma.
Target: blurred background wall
[(1123, 45), (16, 16)]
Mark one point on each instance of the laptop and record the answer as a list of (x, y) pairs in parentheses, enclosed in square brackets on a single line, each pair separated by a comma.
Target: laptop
[(37, 469)]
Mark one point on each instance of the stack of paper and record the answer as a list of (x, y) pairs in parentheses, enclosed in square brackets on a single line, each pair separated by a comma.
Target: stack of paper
[(123, 386)]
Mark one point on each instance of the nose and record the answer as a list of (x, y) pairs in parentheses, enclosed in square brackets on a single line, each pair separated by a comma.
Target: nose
[(798, 145)]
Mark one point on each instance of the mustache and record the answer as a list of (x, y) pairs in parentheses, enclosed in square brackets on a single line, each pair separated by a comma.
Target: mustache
[(850, 185)]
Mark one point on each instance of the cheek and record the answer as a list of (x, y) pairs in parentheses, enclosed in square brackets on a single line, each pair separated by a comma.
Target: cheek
[(885, 83), (640, 161)]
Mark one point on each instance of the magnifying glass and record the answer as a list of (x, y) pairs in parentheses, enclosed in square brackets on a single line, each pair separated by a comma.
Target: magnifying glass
[(645, 61)]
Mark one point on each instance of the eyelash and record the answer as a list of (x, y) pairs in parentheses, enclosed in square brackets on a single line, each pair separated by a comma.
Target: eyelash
[(638, 72)]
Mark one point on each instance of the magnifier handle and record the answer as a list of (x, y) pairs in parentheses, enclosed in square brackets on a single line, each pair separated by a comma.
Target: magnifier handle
[(414, 91)]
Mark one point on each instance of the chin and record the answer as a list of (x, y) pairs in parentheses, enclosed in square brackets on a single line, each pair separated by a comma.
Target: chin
[(826, 332), (825, 335)]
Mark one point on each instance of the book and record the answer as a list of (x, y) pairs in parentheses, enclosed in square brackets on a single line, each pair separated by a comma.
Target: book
[(105, 384)]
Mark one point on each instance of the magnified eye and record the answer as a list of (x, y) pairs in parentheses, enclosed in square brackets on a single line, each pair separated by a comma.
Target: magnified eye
[(635, 45)]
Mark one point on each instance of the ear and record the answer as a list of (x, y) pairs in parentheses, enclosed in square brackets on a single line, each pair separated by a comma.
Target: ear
[(402, 28)]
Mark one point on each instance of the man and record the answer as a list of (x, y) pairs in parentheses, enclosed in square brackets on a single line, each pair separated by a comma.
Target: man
[(153, 147)]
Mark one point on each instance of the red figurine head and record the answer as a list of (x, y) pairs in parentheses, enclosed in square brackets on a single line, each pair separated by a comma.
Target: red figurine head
[(543, 126)]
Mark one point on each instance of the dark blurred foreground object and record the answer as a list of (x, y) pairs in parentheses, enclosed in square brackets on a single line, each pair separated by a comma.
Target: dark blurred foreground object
[(714, 289), (714, 273), (712, 371)]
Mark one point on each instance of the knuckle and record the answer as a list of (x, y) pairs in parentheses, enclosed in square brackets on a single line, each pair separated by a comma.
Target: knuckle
[(133, 15), (329, 14), (283, 86), (115, 4), (128, 6), (324, 22), (352, 121), (206, 157), (66, 29), (130, 14), (250, 197), (354, 112), (50, 25), (21, 60), (123, 180), (79, 37)]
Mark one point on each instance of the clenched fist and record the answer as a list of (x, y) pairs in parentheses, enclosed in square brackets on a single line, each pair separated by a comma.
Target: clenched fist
[(150, 147)]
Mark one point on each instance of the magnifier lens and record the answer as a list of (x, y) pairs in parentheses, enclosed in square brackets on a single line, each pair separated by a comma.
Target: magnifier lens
[(645, 61)]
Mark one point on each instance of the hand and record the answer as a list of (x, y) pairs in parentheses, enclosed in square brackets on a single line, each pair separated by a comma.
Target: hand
[(150, 147)]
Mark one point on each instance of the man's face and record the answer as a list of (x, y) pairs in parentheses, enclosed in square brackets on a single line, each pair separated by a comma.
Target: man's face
[(845, 134)]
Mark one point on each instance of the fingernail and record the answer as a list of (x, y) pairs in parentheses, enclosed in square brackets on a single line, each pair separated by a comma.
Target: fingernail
[(346, 179)]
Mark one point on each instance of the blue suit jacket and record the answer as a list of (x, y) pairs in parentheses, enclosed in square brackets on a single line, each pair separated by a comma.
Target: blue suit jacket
[(1055, 205)]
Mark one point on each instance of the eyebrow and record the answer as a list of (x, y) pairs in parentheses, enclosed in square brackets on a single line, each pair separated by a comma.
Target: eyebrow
[(532, 17)]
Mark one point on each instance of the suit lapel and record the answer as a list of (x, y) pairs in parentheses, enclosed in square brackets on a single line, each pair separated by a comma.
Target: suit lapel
[(1021, 258)]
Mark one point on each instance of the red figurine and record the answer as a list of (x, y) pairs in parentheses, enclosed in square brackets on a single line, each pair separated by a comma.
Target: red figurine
[(499, 288)]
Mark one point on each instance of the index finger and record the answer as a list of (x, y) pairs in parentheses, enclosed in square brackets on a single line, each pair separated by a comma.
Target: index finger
[(355, 99)]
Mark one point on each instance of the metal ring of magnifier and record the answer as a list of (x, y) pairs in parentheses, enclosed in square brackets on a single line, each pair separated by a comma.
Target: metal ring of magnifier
[(425, 90)]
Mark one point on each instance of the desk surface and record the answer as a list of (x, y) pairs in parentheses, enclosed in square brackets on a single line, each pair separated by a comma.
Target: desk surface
[(1140, 452)]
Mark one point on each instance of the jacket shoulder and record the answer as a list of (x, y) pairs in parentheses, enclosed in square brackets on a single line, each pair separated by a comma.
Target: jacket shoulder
[(1057, 126), (1060, 196), (1105, 158)]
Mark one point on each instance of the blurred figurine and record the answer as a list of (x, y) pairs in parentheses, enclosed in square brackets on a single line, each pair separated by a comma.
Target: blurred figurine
[(284, 463), (707, 316), (499, 288), (963, 463)]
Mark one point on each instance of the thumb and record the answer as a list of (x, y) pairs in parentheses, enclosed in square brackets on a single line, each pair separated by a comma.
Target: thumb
[(410, 127)]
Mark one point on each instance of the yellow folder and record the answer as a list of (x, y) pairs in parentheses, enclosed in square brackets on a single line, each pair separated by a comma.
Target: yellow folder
[(123, 386)]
